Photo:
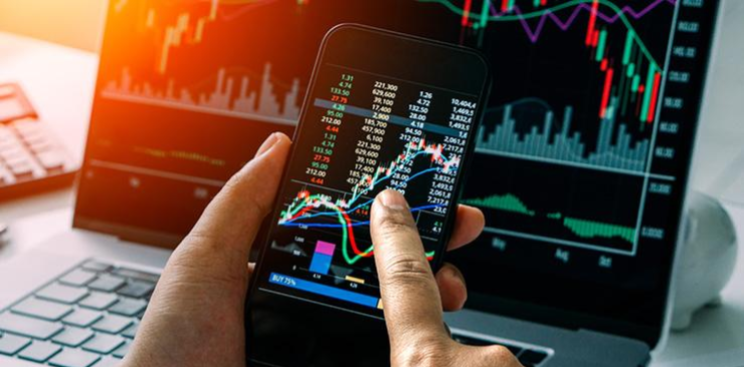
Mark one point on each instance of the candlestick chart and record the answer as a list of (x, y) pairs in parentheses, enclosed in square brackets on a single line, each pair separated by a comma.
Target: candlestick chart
[(580, 148), (630, 73), (577, 112)]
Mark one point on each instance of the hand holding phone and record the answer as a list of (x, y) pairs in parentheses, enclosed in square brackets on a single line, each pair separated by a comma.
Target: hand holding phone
[(205, 277), (383, 111), (195, 316)]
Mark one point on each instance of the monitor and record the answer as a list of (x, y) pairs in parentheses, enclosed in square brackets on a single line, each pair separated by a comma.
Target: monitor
[(582, 159)]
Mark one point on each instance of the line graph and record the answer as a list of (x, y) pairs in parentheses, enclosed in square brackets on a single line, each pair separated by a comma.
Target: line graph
[(491, 14), (646, 84), (301, 206)]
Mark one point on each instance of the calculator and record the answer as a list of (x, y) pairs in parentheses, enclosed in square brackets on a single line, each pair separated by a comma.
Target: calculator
[(32, 158)]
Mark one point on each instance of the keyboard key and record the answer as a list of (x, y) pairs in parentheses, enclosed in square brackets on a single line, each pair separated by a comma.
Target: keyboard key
[(73, 336), (11, 344), (532, 356), (7, 91), (137, 274), (42, 147), (16, 157), (51, 311), (22, 170), (9, 149), (112, 324), (27, 326), (97, 266), (27, 125), (5, 178), (33, 137), (103, 344), (78, 278), (128, 307), (137, 289), (108, 362), (12, 152), (99, 301), (121, 351), (48, 159), (40, 351), (131, 331), (82, 317), (74, 358), (107, 283), (62, 293)]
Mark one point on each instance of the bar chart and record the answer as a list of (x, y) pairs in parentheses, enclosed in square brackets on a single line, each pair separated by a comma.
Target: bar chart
[(262, 104), (555, 142), (322, 257)]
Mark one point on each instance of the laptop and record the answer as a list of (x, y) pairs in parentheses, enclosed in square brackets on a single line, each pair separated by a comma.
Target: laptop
[(581, 167)]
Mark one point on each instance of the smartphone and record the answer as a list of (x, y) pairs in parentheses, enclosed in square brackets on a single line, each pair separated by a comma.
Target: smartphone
[(383, 111)]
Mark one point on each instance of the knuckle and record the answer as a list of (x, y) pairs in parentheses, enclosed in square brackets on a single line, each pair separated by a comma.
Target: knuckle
[(432, 354), (405, 268), (246, 186), (202, 239), (395, 222), (262, 207), (501, 354), (234, 182)]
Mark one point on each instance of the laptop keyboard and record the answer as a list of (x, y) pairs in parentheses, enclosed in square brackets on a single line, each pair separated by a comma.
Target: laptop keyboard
[(89, 316), (527, 356), (85, 318)]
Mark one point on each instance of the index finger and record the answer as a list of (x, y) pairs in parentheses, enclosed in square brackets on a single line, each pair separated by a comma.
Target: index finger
[(410, 296)]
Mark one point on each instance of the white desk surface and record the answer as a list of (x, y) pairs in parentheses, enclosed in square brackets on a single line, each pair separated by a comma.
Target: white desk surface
[(59, 81)]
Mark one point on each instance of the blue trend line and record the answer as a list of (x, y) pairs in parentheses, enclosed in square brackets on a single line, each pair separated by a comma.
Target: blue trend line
[(360, 205), (355, 224), (384, 178)]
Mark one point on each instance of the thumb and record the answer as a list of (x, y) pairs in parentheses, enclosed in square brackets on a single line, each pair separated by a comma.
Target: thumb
[(232, 219)]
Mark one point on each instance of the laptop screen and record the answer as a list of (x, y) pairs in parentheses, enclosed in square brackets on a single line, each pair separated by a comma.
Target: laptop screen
[(582, 159)]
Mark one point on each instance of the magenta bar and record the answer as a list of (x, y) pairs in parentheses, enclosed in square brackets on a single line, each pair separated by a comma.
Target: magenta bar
[(325, 248)]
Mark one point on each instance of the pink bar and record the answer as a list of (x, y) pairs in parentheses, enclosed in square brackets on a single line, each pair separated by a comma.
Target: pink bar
[(325, 248)]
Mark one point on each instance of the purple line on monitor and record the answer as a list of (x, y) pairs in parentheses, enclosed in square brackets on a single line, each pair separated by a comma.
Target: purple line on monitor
[(325, 248)]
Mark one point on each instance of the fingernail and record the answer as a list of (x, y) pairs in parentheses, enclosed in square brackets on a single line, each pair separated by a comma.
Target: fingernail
[(393, 200), (267, 144)]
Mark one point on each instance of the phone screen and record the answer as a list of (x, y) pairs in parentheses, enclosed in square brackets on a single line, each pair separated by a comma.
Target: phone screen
[(384, 111)]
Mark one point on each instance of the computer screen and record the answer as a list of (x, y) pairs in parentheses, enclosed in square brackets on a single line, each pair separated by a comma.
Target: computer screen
[(581, 161)]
